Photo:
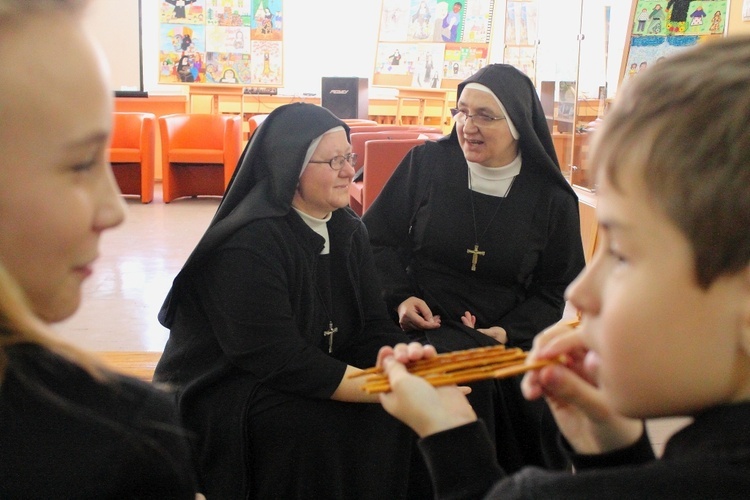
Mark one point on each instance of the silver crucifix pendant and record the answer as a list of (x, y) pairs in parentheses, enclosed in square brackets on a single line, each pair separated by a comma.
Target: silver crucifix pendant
[(329, 333)]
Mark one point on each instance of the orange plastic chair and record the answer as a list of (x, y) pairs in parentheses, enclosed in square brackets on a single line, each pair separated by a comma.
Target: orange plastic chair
[(382, 156), (199, 153), (253, 123), (132, 153)]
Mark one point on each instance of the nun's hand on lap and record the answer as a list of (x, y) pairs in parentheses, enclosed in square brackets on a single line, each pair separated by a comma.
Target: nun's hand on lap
[(415, 314), (496, 332)]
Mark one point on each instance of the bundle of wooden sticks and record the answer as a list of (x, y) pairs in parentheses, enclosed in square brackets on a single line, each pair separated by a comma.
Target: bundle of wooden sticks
[(460, 367)]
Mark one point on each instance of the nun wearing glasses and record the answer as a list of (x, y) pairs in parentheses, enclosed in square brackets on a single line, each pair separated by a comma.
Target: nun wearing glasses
[(277, 305), (476, 236)]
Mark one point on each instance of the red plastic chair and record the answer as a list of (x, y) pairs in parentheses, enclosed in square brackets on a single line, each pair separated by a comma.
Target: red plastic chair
[(360, 122), (199, 153), (397, 128), (381, 158), (358, 139), (132, 153)]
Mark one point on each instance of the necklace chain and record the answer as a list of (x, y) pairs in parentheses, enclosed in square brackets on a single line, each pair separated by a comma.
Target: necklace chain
[(477, 237), (476, 253), (331, 329)]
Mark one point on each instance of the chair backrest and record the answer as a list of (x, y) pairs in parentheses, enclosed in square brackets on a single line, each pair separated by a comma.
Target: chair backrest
[(202, 131), (381, 159), (253, 123), (198, 131), (132, 130), (359, 122), (358, 139), (401, 128)]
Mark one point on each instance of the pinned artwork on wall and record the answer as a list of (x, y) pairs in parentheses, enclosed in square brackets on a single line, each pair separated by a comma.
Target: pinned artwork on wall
[(222, 42), (521, 36), (660, 28), (432, 43)]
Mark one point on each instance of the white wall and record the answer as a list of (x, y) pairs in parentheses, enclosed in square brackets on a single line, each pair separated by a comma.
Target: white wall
[(114, 23)]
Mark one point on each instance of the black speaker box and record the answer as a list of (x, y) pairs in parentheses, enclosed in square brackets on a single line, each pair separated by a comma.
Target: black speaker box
[(345, 97)]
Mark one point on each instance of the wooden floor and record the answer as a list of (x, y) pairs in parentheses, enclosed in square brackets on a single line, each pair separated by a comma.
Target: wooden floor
[(117, 319), (138, 364), (139, 259)]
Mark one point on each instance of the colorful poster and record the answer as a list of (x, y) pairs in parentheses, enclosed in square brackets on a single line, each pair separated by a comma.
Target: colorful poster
[(214, 41), (428, 67), (228, 68), (462, 61), (181, 49), (266, 62), (448, 21), (422, 15), (478, 21), (421, 43), (522, 58), (679, 17), (647, 50), (228, 39), (661, 28), (182, 11), (394, 20), (266, 20), (228, 12), (395, 58), (521, 23)]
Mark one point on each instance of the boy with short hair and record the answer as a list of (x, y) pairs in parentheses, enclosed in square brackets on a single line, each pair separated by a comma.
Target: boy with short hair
[(665, 309)]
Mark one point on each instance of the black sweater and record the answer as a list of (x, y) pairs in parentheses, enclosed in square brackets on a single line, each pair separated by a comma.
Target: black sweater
[(64, 434), (709, 458)]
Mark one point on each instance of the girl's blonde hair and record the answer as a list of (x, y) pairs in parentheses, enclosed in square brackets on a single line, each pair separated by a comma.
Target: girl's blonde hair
[(19, 324)]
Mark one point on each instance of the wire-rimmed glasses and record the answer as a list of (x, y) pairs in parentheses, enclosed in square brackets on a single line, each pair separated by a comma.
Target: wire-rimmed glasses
[(480, 119), (338, 162)]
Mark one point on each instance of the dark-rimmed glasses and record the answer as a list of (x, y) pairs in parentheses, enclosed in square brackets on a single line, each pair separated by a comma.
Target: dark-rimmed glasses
[(480, 119), (338, 162)]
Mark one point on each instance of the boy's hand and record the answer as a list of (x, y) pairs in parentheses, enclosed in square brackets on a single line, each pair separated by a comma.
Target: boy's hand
[(582, 412), (424, 408)]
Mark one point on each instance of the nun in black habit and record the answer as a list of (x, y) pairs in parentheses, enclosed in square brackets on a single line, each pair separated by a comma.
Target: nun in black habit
[(476, 236), (276, 306)]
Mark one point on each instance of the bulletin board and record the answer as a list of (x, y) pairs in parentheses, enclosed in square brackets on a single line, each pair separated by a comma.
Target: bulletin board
[(662, 27), (432, 43), (221, 42)]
